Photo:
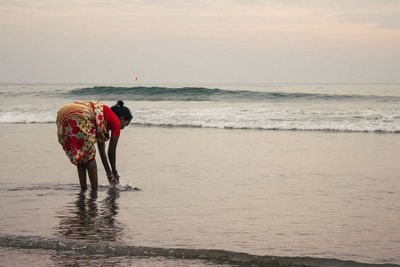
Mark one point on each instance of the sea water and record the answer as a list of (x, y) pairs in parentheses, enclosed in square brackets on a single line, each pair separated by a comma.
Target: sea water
[(211, 175), (330, 107)]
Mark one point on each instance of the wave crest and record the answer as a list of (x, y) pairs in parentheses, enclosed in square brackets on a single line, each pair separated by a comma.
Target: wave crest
[(141, 93)]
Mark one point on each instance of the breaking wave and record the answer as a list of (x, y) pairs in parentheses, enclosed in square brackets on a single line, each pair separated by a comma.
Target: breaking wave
[(208, 94), (379, 120)]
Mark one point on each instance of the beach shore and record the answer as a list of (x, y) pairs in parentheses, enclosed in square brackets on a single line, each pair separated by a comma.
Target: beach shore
[(280, 193)]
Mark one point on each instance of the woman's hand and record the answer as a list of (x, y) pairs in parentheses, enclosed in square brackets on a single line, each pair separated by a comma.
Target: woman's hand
[(116, 175), (112, 180)]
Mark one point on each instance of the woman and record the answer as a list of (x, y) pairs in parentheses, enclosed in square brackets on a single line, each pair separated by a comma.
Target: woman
[(82, 124)]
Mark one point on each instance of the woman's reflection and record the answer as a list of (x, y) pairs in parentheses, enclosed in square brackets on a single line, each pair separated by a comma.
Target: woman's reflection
[(85, 218)]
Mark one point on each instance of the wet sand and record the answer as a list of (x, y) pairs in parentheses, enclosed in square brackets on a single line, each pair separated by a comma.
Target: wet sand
[(278, 193)]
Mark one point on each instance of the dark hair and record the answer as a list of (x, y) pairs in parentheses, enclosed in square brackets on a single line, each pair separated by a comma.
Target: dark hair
[(121, 111)]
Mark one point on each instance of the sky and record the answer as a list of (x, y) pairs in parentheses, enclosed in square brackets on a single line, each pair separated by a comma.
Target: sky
[(210, 41)]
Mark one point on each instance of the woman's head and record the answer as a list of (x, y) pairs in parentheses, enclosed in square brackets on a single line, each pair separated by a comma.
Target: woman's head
[(123, 113)]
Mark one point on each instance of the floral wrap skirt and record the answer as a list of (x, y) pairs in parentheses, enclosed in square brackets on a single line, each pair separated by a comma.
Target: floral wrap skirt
[(79, 126)]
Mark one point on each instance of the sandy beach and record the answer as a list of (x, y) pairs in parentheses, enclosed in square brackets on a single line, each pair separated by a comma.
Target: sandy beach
[(280, 193), (259, 133)]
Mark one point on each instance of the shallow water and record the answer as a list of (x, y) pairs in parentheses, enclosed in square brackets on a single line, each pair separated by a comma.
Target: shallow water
[(38, 257), (289, 194)]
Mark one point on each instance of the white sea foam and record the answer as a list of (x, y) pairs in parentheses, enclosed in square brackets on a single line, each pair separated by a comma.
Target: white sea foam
[(21, 117), (363, 120), (274, 119), (270, 108)]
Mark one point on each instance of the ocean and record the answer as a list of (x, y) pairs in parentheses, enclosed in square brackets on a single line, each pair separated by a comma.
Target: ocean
[(211, 175), (326, 107)]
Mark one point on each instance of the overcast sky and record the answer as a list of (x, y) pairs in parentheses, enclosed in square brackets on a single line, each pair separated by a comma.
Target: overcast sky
[(270, 41)]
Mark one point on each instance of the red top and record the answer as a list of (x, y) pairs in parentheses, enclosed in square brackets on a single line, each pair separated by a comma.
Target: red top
[(112, 121)]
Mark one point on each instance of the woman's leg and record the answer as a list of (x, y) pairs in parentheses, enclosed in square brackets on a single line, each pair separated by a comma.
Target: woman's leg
[(92, 170), (82, 175)]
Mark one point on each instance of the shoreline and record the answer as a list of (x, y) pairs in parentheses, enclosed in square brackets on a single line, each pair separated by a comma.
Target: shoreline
[(144, 125), (210, 255), (261, 192)]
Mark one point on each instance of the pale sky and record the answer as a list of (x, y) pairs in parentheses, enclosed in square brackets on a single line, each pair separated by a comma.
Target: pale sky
[(101, 41)]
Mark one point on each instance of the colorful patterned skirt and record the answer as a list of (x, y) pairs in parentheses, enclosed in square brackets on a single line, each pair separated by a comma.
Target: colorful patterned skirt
[(79, 126)]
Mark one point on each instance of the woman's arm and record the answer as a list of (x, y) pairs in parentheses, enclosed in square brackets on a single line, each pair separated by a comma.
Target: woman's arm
[(112, 148), (104, 160)]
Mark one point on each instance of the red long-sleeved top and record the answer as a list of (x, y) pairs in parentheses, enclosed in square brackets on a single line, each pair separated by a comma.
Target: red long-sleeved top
[(112, 121)]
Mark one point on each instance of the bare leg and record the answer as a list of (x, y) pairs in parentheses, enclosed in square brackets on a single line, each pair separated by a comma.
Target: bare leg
[(82, 175), (92, 170)]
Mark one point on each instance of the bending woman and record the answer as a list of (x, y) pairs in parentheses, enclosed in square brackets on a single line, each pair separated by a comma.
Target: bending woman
[(82, 124)]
